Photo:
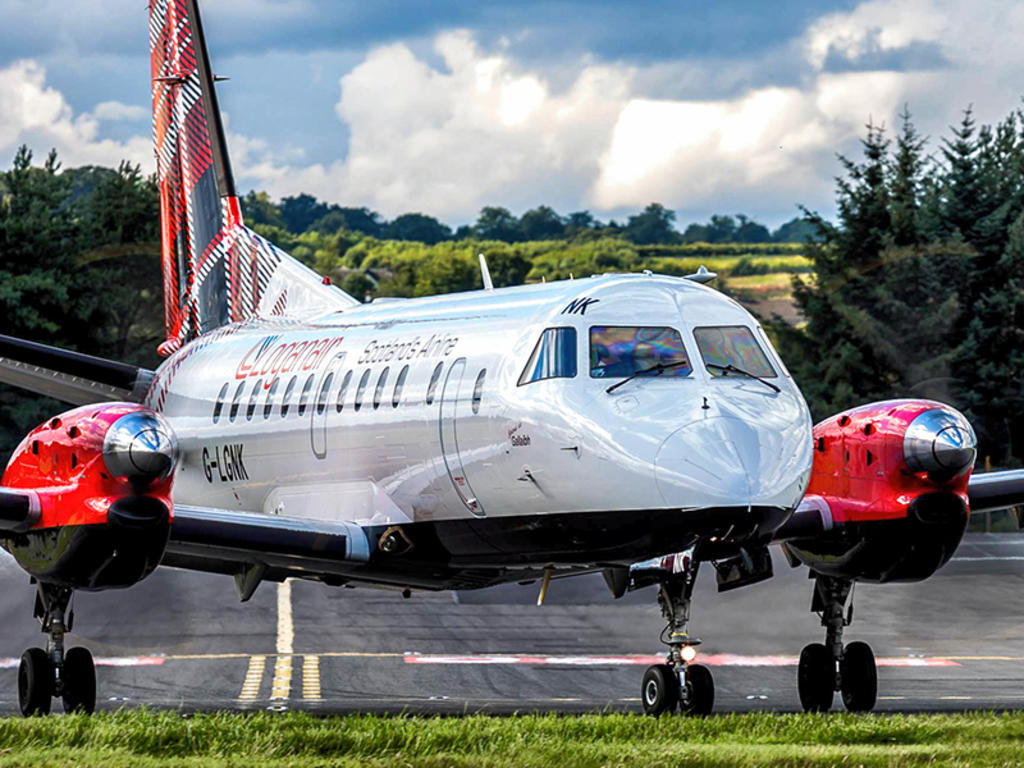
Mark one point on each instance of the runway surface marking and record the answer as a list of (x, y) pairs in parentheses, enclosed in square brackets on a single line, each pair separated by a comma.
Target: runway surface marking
[(253, 678), (311, 677), (711, 660), (282, 685)]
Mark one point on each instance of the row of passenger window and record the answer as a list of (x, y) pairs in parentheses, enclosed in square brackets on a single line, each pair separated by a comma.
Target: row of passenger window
[(324, 395)]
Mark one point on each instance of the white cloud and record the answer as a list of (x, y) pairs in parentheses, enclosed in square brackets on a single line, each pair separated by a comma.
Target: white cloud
[(33, 113), (115, 111)]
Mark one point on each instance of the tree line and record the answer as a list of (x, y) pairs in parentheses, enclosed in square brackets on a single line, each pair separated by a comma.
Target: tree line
[(299, 214), (918, 285)]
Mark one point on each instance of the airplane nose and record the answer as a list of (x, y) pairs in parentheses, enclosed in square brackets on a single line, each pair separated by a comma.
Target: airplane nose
[(140, 446), (730, 461), (939, 441)]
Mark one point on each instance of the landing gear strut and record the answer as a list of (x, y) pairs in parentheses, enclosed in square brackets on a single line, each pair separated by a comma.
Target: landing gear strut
[(677, 682), (43, 675), (825, 669)]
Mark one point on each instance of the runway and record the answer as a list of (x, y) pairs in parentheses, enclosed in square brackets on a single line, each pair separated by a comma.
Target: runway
[(183, 640)]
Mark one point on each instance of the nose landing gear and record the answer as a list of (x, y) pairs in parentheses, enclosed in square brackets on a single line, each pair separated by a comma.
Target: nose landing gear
[(43, 675), (678, 682), (829, 667)]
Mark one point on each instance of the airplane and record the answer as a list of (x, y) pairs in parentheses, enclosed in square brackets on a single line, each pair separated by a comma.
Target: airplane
[(636, 425)]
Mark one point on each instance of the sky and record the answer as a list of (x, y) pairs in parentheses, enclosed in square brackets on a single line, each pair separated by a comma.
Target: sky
[(443, 107)]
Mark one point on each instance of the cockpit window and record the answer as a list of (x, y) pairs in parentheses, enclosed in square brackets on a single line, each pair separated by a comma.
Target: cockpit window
[(732, 346), (617, 351), (554, 357)]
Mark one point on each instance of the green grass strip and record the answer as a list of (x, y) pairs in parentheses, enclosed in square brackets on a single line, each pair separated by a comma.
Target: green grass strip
[(266, 740)]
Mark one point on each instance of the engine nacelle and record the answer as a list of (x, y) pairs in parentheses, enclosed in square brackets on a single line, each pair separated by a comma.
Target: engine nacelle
[(98, 480), (887, 499)]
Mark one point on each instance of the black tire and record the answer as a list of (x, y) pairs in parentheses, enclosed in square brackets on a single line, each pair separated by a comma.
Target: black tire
[(816, 678), (35, 683), (79, 677), (660, 690), (859, 677), (699, 697)]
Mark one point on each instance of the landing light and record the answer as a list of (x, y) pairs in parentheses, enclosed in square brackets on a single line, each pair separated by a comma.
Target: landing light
[(689, 653)]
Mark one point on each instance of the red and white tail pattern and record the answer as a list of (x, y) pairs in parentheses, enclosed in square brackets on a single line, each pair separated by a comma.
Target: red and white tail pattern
[(215, 270)]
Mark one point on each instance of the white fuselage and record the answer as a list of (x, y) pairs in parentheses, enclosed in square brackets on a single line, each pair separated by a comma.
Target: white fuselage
[(472, 442)]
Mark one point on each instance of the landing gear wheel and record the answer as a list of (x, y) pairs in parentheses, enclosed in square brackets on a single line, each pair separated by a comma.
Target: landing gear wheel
[(699, 693), (660, 690), (816, 678), (79, 676), (859, 677), (35, 682)]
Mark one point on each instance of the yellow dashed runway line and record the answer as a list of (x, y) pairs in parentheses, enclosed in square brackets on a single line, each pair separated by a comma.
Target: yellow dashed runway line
[(253, 678), (311, 678), (282, 685)]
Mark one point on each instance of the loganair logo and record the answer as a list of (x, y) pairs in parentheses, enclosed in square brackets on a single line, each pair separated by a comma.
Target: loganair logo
[(579, 306), (270, 357)]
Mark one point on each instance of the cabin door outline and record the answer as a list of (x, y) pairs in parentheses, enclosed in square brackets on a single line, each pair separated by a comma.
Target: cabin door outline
[(324, 395), (453, 396)]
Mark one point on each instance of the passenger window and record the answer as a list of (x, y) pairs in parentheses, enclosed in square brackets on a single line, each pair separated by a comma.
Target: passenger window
[(219, 405), (396, 398), (307, 390), (478, 390), (321, 400), (361, 389), (236, 401), (268, 406), (732, 346), (342, 390), (619, 351), (554, 357), (434, 377), (286, 402), (379, 392), (252, 400)]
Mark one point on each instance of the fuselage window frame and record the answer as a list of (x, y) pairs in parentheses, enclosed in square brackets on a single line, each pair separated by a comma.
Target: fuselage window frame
[(250, 410), (268, 406), (236, 402), (378, 392), (435, 377), (396, 396), (361, 389), (286, 401), (307, 391), (321, 398), (478, 390), (218, 407), (554, 356), (339, 405)]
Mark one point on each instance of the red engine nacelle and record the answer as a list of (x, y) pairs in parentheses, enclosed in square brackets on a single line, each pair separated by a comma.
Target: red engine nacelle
[(887, 499), (98, 479)]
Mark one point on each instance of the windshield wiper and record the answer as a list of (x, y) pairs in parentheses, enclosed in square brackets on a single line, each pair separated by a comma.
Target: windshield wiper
[(655, 369), (726, 369)]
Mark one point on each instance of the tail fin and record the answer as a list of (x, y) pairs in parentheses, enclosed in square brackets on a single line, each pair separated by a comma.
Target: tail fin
[(216, 271)]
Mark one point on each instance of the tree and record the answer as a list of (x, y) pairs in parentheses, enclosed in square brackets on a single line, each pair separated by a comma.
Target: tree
[(905, 188), (750, 231), (653, 225), (299, 212), (541, 223), (496, 223), (419, 228), (796, 230), (257, 208)]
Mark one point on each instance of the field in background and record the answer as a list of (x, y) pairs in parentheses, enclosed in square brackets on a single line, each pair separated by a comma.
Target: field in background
[(142, 738)]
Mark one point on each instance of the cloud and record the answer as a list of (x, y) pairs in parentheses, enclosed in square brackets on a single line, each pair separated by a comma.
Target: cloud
[(115, 111), (38, 115)]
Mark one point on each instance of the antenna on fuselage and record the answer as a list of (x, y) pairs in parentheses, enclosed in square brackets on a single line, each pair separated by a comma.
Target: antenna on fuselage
[(702, 275), (485, 273)]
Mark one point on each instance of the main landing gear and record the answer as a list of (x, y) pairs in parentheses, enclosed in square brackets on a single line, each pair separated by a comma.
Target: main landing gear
[(825, 669), (677, 682), (43, 675)]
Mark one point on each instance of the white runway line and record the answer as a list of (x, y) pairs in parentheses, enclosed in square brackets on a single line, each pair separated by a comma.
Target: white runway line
[(282, 685), (253, 678)]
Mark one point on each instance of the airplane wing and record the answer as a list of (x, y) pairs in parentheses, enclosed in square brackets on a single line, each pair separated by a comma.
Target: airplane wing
[(991, 491), (245, 544), (70, 376)]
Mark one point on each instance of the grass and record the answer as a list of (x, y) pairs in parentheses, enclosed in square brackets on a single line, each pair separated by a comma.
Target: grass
[(147, 738)]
